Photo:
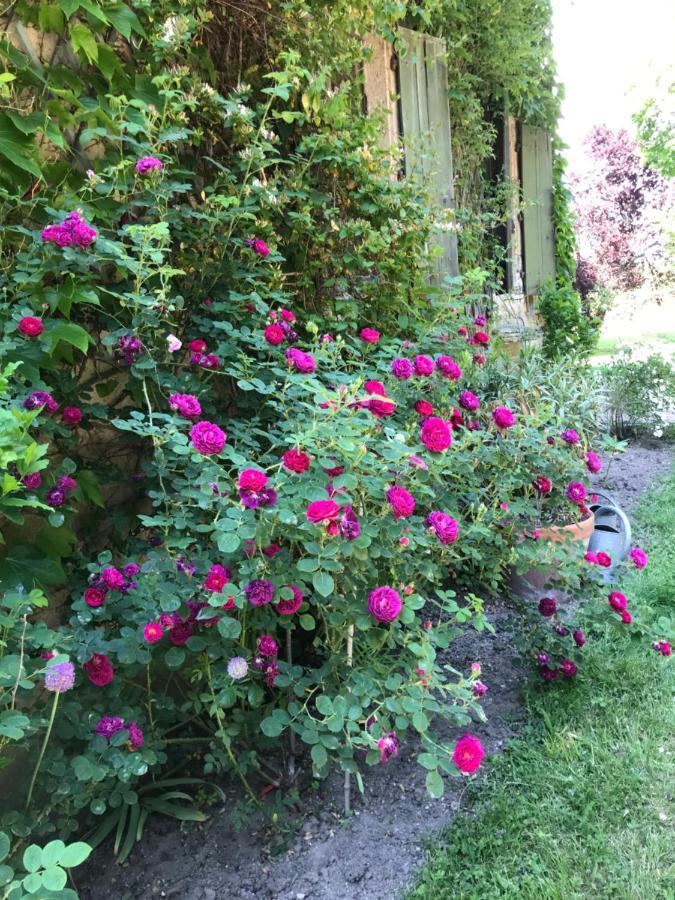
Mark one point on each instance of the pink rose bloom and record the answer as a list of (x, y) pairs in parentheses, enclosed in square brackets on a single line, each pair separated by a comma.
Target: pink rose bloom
[(384, 604), (322, 511), (274, 334), (380, 407), (469, 401), (479, 358), (468, 754), (423, 365), (444, 527), (448, 368), (401, 368), (548, 606), (197, 345), (401, 502), (593, 462), (503, 417), (271, 550), (113, 578), (369, 335), (296, 461), (152, 632), (287, 315), (626, 617), (604, 559), (576, 492), (99, 670), (417, 463), (301, 362), (617, 601), (207, 438), (639, 557), (568, 668), (31, 327), (542, 485), (32, 481), (662, 647), (216, 579), (71, 415), (287, 607), (252, 480), (591, 557), (186, 405), (435, 434), (481, 338), (579, 638), (375, 387)]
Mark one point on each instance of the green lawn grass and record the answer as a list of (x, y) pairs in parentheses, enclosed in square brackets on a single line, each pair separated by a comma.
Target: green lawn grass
[(583, 805)]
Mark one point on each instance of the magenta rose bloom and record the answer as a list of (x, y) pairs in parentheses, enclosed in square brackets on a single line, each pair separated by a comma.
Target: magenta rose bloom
[(207, 438), (99, 669), (369, 335), (469, 401), (31, 327), (301, 362), (503, 417), (579, 638), (617, 601), (448, 368), (186, 405), (401, 502), (108, 726), (259, 592), (444, 527), (94, 596), (639, 557), (267, 646), (274, 334), (149, 164), (216, 579), (576, 492), (287, 607), (32, 481), (542, 485), (547, 606), (384, 604), (423, 366), (258, 246), (424, 408), (112, 578), (71, 415), (181, 632), (401, 368), (593, 462), (570, 436), (296, 461), (322, 511), (435, 434), (252, 480), (152, 632), (135, 736), (568, 668), (468, 754)]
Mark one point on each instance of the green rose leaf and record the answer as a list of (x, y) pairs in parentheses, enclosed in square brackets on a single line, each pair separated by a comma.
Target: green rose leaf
[(323, 584), (435, 785)]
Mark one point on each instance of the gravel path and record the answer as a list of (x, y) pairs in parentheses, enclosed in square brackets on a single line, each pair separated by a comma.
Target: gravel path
[(314, 854)]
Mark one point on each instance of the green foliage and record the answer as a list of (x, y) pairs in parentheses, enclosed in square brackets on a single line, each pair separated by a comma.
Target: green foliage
[(567, 331), (552, 814), (39, 872), (656, 132), (640, 393)]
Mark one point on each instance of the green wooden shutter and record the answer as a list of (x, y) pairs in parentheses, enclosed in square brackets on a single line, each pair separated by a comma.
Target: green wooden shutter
[(537, 184), (425, 116)]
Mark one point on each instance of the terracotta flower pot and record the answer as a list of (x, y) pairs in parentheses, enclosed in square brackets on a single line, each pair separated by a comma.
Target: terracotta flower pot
[(534, 581)]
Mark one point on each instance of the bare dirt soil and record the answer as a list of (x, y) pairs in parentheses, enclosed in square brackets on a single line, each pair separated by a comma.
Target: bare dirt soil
[(313, 852)]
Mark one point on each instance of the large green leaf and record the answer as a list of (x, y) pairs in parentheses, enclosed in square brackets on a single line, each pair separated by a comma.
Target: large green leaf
[(17, 147), (59, 330)]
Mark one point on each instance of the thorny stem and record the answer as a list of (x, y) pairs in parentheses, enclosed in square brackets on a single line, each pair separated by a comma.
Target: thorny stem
[(348, 779), (20, 666), (289, 659)]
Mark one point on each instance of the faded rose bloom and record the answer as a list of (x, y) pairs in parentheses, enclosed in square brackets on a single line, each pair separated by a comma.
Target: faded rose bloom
[(186, 405), (349, 525), (388, 746), (259, 592), (301, 362), (267, 646), (173, 344), (568, 668), (71, 415), (570, 436), (576, 492), (149, 164), (135, 736), (32, 481), (662, 647), (579, 638), (181, 632), (542, 485), (108, 726)]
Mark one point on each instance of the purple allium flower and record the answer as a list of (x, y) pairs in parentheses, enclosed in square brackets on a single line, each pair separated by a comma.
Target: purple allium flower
[(388, 746), (469, 401), (237, 668), (60, 677), (401, 368), (259, 592), (149, 164), (56, 497), (108, 726), (570, 436)]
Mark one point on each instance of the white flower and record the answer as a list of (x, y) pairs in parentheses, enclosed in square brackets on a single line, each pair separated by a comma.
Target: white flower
[(237, 668), (173, 343)]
